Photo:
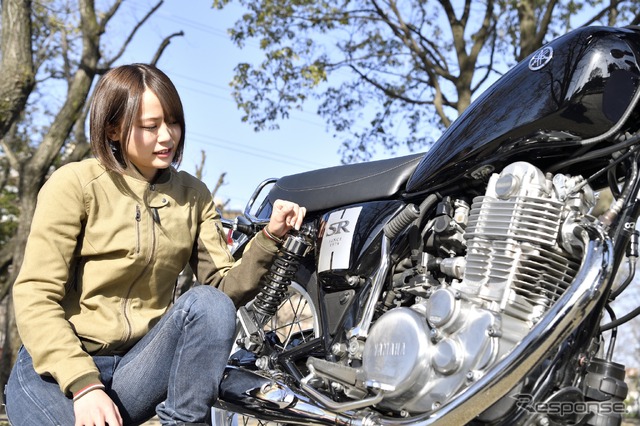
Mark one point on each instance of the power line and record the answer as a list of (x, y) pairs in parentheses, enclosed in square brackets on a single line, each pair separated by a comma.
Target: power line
[(303, 163), (160, 13), (228, 99)]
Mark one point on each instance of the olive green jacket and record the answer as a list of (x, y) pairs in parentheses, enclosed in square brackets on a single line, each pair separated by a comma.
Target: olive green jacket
[(102, 260)]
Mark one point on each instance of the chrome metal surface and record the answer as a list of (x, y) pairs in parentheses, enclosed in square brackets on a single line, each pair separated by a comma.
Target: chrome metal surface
[(247, 210), (556, 325), (361, 330), (342, 407), (259, 396), (514, 256)]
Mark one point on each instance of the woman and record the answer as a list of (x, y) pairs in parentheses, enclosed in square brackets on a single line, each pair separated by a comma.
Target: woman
[(103, 343)]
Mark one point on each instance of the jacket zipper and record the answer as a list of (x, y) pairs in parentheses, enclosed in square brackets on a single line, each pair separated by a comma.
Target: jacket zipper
[(138, 218), (127, 300)]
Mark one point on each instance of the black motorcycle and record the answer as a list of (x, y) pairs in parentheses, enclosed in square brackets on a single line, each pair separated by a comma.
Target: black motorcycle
[(468, 285)]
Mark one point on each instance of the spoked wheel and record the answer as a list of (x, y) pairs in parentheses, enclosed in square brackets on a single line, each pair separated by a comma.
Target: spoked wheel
[(228, 418), (296, 318), (296, 321)]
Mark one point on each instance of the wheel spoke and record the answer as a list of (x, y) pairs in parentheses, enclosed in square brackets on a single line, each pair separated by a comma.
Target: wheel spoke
[(296, 317)]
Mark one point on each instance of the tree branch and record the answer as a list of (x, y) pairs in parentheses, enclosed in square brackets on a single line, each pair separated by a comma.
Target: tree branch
[(163, 46), (6, 259), (219, 184), (457, 30), (544, 25), (403, 32), (598, 15), (490, 69), (5, 169), (438, 61), (387, 91), (132, 33), (480, 37), (82, 147), (106, 16), (13, 159), (431, 69)]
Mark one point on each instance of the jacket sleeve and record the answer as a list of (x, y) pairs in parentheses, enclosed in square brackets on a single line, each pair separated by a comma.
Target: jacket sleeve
[(213, 264), (40, 286)]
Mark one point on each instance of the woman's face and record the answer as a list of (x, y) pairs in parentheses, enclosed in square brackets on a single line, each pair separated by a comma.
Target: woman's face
[(154, 138)]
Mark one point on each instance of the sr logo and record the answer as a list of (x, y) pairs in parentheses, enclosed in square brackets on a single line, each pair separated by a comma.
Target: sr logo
[(336, 228)]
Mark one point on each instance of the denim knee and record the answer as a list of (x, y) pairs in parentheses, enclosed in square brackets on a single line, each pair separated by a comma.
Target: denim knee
[(209, 303), (32, 399)]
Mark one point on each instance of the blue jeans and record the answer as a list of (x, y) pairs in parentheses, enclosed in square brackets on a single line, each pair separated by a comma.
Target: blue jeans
[(174, 371)]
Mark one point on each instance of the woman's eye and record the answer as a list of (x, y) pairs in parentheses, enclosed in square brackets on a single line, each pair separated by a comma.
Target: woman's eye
[(150, 128)]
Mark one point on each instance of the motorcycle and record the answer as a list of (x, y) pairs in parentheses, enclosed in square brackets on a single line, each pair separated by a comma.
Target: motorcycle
[(471, 284)]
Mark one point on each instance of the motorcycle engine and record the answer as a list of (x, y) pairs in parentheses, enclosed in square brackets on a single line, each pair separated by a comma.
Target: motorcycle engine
[(488, 273)]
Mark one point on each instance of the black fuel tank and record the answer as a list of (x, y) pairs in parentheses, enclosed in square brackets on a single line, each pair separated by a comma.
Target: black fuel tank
[(577, 87)]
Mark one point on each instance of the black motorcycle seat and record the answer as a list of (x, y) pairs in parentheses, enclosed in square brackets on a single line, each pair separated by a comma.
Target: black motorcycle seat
[(331, 187)]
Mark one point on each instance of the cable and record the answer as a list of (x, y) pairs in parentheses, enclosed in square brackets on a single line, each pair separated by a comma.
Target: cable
[(254, 152), (614, 334), (603, 152), (632, 257)]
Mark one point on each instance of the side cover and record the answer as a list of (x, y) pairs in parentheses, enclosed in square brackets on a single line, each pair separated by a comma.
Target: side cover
[(348, 240)]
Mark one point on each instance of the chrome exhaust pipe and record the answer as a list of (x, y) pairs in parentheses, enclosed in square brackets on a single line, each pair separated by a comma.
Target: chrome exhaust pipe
[(247, 393)]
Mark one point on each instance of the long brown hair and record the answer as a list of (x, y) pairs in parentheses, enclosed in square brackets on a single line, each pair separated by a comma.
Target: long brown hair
[(115, 105)]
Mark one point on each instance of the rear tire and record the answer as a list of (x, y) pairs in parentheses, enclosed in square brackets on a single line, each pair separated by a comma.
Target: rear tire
[(296, 318)]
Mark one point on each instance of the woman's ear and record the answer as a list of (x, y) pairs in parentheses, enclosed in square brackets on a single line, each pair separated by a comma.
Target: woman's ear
[(113, 133)]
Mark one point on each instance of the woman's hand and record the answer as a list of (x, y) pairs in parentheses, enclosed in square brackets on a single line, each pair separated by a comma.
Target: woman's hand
[(96, 409), (285, 216)]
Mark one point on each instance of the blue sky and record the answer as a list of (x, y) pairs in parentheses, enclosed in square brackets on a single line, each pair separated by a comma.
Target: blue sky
[(201, 65)]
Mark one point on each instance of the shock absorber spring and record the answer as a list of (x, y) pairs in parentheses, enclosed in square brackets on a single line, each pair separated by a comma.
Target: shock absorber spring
[(275, 284)]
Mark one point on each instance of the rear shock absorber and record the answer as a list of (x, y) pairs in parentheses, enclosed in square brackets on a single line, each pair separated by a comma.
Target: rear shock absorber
[(275, 284)]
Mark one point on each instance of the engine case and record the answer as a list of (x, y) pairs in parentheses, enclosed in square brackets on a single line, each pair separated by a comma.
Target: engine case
[(515, 269)]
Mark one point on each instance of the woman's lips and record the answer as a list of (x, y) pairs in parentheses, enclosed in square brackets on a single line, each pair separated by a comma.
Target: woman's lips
[(164, 152)]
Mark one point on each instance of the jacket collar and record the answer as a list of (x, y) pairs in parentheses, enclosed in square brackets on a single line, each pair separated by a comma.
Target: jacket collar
[(163, 176)]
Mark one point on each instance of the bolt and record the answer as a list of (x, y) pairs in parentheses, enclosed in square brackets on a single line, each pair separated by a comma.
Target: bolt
[(337, 387), (582, 360), (339, 349), (494, 332), (262, 363)]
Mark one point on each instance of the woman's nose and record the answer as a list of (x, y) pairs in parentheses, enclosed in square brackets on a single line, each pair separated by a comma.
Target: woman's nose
[(164, 132)]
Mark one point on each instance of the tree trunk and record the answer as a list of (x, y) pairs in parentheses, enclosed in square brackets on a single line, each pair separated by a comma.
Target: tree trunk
[(29, 192), (16, 83), (16, 67)]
